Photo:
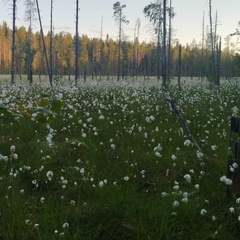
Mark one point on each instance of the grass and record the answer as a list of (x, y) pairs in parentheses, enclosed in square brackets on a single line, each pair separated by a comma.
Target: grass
[(110, 161)]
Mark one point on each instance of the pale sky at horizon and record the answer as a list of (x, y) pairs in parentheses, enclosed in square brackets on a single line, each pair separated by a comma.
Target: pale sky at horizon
[(187, 22)]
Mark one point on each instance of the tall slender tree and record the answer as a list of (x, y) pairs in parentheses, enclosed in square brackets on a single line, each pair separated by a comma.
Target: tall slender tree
[(157, 14), (218, 62), (44, 45), (30, 11), (77, 45), (153, 12), (164, 51), (213, 61), (202, 74), (51, 44), (171, 15), (211, 26), (120, 18), (136, 48), (179, 66), (14, 6)]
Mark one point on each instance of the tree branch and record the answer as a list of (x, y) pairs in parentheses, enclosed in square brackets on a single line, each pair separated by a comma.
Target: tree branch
[(173, 104)]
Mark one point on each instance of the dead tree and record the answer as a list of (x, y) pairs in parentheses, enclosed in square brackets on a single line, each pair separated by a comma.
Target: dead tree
[(218, 62), (211, 26), (77, 45), (164, 58), (176, 109), (43, 42), (169, 40), (179, 66), (51, 44), (202, 54), (213, 57), (13, 40), (135, 48)]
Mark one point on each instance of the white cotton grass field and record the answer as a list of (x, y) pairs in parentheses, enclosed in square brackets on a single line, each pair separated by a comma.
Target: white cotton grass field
[(110, 160)]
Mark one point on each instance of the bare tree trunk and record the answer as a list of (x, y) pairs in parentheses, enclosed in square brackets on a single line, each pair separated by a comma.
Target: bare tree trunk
[(138, 23), (159, 48), (76, 45), (134, 54), (218, 63), (69, 64), (44, 45), (164, 70), (51, 43), (215, 31), (119, 46), (169, 41), (217, 80), (179, 66), (158, 58), (13, 41), (213, 74), (211, 25), (176, 109), (202, 55)]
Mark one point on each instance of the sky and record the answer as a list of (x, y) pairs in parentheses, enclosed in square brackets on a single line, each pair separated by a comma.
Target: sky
[(93, 14)]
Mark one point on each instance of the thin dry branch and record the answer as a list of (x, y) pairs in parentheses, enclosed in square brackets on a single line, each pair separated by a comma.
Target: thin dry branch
[(177, 111)]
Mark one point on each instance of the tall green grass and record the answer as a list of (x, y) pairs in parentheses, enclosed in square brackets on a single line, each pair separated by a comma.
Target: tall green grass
[(110, 161)]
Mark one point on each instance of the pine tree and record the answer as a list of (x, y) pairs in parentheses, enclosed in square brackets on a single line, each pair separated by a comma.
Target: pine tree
[(120, 18)]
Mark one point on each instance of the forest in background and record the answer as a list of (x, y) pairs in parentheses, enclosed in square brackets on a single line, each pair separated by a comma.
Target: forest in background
[(99, 57)]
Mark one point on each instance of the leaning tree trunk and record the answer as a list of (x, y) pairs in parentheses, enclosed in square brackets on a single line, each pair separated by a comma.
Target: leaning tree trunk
[(43, 42)]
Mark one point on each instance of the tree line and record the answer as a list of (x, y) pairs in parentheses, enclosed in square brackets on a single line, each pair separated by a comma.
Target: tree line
[(100, 57)]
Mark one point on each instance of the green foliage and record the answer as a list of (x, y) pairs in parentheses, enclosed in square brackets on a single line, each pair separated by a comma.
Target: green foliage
[(8, 116), (118, 13), (46, 110)]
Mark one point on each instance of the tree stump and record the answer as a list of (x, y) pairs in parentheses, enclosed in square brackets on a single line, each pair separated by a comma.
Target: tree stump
[(233, 171)]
